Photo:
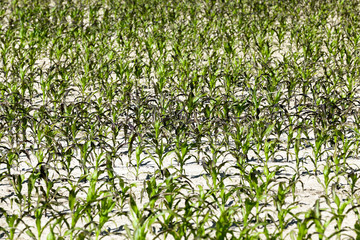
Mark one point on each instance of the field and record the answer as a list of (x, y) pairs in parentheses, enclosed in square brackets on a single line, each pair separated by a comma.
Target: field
[(179, 119)]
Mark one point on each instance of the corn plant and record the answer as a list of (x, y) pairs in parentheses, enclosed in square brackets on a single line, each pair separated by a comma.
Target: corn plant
[(179, 119)]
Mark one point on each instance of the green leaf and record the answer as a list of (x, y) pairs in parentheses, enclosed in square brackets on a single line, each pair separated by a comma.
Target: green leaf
[(51, 235), (31, 234), (72, 199)]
